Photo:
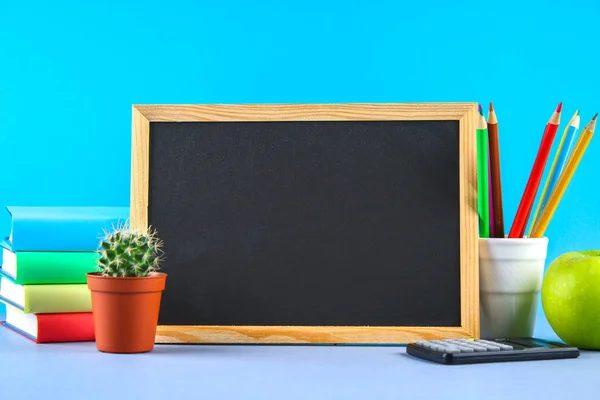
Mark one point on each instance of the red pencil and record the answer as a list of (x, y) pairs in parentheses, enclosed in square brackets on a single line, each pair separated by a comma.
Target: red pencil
[(496, 185), (520, 223)]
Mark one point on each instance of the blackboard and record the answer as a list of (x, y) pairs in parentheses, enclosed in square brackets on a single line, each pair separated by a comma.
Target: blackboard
[(309, 228)]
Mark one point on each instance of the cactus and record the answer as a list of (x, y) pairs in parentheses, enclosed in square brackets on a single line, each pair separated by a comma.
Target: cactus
[(126, 251)]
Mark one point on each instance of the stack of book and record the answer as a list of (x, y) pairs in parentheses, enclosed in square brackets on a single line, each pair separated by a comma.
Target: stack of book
[(44, 265)]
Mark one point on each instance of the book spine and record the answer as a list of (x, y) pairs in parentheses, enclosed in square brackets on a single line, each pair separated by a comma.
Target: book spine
[(57, 299), (46, 268), (39, 229), (72, 327)]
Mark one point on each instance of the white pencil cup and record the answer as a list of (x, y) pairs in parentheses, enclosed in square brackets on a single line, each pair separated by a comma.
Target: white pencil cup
[(510, 279)]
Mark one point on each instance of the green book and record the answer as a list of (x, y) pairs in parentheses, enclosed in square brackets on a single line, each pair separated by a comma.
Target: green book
[(42, 299), (45, 267)]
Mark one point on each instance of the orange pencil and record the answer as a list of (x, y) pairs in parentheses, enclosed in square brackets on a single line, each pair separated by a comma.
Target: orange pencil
[(520, 223)]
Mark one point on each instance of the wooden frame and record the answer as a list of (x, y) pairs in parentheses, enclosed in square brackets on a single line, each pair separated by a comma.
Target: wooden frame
[(465, 113)]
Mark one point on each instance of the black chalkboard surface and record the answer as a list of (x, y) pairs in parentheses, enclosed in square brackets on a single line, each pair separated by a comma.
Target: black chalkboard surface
[(351, 225)]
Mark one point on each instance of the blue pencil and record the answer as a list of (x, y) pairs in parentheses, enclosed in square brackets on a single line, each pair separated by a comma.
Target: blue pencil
[(562, 154)]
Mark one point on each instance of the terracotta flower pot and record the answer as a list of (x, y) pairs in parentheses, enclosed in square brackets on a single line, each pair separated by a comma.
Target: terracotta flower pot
[(126, 311)]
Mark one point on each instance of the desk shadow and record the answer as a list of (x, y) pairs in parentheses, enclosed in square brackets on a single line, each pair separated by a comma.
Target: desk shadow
[(417, 359), (237, 348), (196, 349)]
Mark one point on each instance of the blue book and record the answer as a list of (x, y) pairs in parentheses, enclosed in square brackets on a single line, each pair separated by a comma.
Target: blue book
[(61, 228)]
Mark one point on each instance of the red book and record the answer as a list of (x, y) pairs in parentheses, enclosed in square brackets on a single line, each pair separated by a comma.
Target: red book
[(51, 328)]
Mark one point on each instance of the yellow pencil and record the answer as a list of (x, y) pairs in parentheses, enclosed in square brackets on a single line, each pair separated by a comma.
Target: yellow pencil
[(563, 181)]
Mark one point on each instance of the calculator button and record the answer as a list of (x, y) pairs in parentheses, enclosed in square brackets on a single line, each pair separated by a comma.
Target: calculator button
[(452, 350), (479, 348), (483, 341), (470, 345), (466, 349), (493, 345), (505, 347), (437, 347), (501, 345), (452, 345), (455, 341), (463, 341), (448, 344), (493, 348)]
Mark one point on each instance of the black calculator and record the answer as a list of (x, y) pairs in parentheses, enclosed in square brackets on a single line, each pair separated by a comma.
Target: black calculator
[(473, 351)]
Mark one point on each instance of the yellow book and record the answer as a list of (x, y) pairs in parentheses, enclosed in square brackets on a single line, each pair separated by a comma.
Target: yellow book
[(38, 299)]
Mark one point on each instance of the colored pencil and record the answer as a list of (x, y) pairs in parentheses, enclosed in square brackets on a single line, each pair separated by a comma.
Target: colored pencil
[(560, 159), (496, 182), (520, 222), (482, 176), (564, 179), (491, 196)]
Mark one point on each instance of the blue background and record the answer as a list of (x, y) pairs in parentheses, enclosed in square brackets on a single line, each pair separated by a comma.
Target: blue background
[(70, 71)]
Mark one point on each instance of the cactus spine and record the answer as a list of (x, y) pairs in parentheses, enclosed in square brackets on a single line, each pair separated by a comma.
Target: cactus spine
[(127, 252)]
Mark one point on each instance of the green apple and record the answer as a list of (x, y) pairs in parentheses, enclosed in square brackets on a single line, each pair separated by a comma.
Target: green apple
[(571, 298)]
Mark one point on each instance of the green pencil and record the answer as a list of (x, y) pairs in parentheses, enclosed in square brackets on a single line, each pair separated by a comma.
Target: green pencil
[(482, 176)]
